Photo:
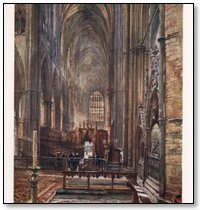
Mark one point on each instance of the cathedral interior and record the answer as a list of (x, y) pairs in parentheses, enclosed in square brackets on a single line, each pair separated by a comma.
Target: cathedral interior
[(98, 103)]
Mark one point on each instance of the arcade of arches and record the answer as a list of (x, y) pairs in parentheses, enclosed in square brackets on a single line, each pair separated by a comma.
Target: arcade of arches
[(110, 73)]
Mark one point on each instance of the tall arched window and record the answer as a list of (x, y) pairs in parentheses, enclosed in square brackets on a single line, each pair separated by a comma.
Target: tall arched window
[(96, 107)]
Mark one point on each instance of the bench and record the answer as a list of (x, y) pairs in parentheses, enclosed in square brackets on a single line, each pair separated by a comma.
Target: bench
[(138, 196)]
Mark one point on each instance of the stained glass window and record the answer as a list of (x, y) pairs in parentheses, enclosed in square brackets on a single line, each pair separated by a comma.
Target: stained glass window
[(96, 107)]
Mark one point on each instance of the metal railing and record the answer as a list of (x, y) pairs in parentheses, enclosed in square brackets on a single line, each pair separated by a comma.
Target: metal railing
[(45, 163), (62, 163), (153, 166)]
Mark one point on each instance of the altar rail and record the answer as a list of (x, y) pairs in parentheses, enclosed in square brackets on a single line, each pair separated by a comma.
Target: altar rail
[(106, 174)]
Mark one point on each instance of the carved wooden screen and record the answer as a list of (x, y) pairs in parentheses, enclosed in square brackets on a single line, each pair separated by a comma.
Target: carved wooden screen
[(154, 139), (153, 134), (96, 107)]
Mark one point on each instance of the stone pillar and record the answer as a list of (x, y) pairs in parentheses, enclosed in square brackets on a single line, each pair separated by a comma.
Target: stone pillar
[(70, 108), (148, 133), (48, 113), (109, 115), (125, 86), (162, 101), (134, 85), (131, 90), (61, 114), (136, 76), (32, 93), (57, 113), (65, 113), (65, 117), (118, 74)]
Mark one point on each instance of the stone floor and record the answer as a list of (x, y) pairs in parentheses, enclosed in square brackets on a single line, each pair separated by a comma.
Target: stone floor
[(47, 185), (100, 191), (111, 198), (50, 182)]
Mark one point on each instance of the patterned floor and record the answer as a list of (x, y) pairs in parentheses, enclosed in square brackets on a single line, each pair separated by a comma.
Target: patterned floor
[(100, 191), (47, 185), (50, 182)]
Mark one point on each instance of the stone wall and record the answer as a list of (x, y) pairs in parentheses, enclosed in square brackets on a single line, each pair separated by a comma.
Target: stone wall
[(173, 98)]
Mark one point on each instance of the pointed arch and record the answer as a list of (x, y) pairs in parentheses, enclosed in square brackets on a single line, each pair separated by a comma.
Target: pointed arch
[(152, 114), (64, 110), (45, 78), (153, 108), (19, 102), (45, 96), (56, 95)]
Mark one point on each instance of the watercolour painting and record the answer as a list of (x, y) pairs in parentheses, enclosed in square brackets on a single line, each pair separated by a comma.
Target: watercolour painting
[(98, 103)]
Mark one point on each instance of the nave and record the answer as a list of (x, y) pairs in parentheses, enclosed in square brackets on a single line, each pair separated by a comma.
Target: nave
[(98, 95)]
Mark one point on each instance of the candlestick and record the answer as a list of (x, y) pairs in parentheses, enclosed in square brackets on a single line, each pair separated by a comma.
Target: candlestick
[(34, 184), (34, 149)]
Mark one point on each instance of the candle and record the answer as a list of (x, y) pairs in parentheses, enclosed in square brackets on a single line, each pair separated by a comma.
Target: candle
[(34, 149)]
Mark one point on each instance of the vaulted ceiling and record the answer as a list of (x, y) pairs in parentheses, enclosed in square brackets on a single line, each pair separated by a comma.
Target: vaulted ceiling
[(85, 45)]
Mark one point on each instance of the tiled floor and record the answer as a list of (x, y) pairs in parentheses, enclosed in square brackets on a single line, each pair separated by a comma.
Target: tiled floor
[(22, 189), (50, 182)]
